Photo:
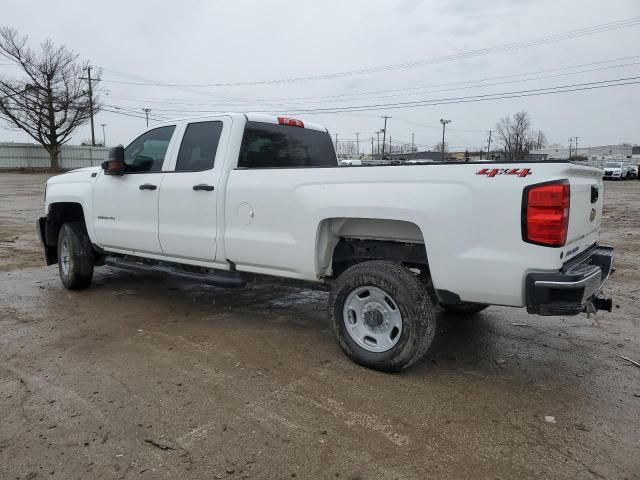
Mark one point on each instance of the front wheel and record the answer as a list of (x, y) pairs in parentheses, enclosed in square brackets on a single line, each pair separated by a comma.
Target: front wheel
[(75, 256), (382, 315)]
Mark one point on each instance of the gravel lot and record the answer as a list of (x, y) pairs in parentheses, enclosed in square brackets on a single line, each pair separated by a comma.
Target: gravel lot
[(140, 377)]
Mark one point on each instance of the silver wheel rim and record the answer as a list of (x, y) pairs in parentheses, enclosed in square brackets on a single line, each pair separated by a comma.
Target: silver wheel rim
[(372, 319), (64, 257)]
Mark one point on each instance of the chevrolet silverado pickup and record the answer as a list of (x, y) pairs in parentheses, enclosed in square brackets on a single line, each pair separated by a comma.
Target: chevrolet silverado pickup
[(237, 198)]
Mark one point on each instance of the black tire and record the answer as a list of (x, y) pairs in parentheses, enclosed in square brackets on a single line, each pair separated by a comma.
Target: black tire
[(76, 267), (412, 300), (465, 309)]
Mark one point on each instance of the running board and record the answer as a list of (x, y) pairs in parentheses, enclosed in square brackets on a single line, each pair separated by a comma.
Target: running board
[(207, 278)]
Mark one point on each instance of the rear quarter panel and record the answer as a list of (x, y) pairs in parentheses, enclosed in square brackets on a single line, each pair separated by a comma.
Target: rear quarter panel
[(471, 223)]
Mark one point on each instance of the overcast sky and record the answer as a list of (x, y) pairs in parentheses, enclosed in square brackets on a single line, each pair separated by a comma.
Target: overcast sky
[(212, 42)]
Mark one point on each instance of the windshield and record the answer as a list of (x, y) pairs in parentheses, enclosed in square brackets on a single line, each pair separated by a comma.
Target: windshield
[(612, 165)]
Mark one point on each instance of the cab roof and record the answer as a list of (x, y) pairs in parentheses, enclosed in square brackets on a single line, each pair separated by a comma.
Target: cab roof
[(254, 117)]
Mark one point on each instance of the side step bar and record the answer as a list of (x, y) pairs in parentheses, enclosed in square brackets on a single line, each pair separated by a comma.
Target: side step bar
[(207, 278)]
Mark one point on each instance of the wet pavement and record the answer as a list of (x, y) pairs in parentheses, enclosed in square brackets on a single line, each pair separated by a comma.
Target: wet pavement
[(149, 377)]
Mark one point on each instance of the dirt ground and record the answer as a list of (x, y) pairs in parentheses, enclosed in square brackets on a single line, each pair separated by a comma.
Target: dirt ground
[(148, 378)]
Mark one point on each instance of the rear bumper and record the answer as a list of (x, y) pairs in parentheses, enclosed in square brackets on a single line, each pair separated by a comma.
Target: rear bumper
[(574, 289)]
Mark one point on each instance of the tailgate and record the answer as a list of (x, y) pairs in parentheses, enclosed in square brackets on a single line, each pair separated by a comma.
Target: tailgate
[(585, 213)]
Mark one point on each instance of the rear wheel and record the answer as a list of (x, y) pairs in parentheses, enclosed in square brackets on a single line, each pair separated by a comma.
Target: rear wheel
[(382, 315), (465, 309), (75, 256)]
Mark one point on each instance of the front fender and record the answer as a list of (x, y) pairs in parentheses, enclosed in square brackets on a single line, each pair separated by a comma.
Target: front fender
[(76, 188)]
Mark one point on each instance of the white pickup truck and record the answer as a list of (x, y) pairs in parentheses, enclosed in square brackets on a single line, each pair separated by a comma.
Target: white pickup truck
[(230, 198)]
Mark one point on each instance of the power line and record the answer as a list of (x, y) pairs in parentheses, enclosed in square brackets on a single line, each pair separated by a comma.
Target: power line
[(507, 47), (224, 106), (444, 126), (134, 113), (384, 133), (146, 114), (288, 102), (88, 78), (451, 100), (418, 124), (122, 113), (134, 110), (468, 82), (148, 82), (477, 98)]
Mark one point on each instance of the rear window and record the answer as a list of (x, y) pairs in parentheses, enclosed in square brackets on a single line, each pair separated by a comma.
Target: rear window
[(266, 145)]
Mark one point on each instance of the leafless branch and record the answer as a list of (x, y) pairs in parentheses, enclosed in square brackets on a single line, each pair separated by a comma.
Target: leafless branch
[(50, 101)]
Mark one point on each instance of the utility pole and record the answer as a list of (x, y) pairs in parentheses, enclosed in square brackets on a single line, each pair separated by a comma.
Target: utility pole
[(390, 149), (104, 136), (88, 78), (378, 151), (413, 143), (444, 125), (570, 145), (146, 112), (384, 133), (489, 145), (358, 143), (371, 148), (577, 146)]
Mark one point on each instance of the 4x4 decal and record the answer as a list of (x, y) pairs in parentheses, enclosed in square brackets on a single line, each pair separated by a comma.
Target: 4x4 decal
[(492, 172)]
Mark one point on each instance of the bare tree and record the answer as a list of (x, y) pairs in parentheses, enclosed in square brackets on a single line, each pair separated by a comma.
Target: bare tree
[(438, 147), (537, 140), (516, 136), (398, 148), (346, 149), (49, 102)]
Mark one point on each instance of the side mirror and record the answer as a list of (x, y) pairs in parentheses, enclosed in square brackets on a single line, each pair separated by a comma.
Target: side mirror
[(115, 164)]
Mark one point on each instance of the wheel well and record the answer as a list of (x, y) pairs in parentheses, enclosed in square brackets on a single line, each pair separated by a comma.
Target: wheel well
[(349, 252), (59, 214), (343, 242)]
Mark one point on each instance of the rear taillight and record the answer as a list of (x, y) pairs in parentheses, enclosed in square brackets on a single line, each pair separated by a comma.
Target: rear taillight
[(291, 122), (545, 213)]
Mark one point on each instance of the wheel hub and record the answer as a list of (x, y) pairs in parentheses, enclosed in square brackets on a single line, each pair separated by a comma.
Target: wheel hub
[(372, 319), (374, 316)]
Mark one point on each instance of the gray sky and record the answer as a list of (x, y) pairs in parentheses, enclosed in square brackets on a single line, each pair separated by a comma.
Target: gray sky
[(209, 42)]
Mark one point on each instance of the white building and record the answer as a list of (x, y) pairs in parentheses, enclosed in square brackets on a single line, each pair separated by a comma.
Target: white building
[(595, 155)]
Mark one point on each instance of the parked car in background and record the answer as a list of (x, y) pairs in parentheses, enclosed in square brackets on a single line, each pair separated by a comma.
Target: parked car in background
[(349, 162), (614, 171), (633, 172)]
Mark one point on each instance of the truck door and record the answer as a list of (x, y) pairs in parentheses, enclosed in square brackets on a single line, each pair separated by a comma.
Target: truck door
[(190, 193), (126, 207)]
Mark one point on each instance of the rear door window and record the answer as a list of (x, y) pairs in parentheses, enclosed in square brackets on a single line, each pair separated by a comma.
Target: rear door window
[(199, 146), (267, 145)]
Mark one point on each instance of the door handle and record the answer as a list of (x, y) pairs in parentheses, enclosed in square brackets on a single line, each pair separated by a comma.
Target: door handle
[(205, 187), (148, 186)]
